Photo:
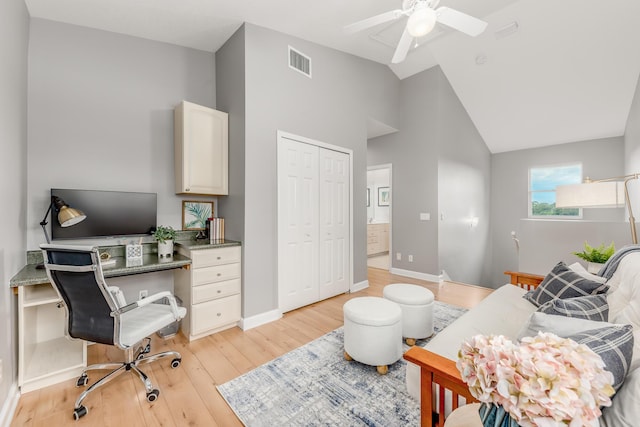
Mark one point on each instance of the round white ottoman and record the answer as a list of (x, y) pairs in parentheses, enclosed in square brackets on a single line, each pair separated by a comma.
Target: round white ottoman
[(373, 332), (416, 303)]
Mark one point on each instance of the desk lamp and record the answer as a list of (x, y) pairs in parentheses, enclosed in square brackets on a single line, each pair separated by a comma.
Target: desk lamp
[(601, 193), (67, 216)]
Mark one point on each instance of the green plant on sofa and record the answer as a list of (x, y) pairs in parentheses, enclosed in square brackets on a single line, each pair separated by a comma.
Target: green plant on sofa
[(162, 234), (598, 255)]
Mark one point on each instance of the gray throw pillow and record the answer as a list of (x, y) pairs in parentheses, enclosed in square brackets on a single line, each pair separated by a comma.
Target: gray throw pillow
[(563, 283), (614, 344), (592, 307)]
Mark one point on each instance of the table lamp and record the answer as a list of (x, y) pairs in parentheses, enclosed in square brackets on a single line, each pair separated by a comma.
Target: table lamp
[(601, 193), (67, 216)]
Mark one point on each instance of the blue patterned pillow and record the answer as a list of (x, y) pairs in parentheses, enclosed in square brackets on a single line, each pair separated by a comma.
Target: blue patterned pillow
[(591, 307), (563, 283), (614, 344)]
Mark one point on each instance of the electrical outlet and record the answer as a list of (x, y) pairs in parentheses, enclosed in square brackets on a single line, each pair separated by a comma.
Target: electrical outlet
[(410, 258), (398, 256), (143, 294)]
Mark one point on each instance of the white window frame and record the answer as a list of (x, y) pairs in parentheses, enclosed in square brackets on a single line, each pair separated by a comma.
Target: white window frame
[(530, 192)]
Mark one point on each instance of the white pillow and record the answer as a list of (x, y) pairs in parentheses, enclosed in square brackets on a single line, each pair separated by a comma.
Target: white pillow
[(625, 406), (576, 267), (559, 325)]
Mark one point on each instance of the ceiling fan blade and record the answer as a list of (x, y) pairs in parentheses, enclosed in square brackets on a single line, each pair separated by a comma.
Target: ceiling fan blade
[(403, 47), (373, 21), (460, 21)]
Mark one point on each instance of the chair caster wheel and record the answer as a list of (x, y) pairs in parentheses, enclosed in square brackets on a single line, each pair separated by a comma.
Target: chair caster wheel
[(153, 395), (175, 363), (82, 381), (79, 412)]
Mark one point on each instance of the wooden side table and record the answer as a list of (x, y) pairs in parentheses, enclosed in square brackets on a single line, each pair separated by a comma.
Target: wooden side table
[(464, 416)]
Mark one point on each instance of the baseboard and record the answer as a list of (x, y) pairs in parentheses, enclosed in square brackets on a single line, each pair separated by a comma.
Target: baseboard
[(10, 405), (416, 275), (359, 286), (260, 319)]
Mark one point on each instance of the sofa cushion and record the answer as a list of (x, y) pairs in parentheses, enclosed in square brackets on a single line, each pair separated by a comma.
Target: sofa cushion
[(559, 325), (562, 282), (625, 408), (614, 344), (578, 268), (592, 307)]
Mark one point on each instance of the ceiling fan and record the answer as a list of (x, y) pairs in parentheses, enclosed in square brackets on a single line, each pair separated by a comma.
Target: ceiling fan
[(423, 16)]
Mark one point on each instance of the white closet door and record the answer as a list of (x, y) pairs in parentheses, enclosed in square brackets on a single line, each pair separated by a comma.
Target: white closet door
[(297, 224), (334, 223)]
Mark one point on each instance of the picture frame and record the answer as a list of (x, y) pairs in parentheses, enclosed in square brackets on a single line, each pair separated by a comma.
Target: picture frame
[(195, 214), (368, 197), (383, 196)]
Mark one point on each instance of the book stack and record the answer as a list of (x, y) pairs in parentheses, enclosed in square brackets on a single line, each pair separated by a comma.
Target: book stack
[(216, 230)]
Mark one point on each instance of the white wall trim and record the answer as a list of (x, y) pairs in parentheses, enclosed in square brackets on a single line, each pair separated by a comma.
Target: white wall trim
[(260, 319), (359, 286), (417, 275), (10, 405)]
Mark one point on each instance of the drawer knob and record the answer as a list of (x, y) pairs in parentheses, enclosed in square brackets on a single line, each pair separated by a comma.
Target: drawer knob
[(219, 257), (219, 274), (219, 291), (219, 314)]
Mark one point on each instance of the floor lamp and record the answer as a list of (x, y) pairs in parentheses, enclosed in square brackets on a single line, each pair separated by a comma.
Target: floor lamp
[(600, 193)]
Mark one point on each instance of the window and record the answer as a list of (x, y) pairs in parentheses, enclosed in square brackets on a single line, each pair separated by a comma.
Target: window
[(542, 190)]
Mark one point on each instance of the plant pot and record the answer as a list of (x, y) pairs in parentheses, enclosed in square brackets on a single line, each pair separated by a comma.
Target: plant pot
[(594, 267), (165, 250)]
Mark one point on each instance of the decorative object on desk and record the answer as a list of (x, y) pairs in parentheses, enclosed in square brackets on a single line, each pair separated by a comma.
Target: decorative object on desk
[(165, 237), (596, 257), (383, 196), (545, 380), (106, 261), (195, 214), (67, 216), (133, 254), (216, 230), (599, 193)]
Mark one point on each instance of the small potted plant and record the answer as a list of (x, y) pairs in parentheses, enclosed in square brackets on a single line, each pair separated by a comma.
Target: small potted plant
[(165, 237), (596, 257)]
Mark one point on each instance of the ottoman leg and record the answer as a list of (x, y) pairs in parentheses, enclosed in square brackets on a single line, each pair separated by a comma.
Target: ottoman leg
[(347, 357), (382, 370), (410, 341)]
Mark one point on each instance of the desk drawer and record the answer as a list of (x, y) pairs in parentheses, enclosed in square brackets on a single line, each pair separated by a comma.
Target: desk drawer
[(214, 314), (215, 290), (219, 273), (209, 257)]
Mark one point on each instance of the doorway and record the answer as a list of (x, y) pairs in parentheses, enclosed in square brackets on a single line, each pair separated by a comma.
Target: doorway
[(379, 201)]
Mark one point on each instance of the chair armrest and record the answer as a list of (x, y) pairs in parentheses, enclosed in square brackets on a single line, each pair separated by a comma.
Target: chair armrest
[(435, 369), (148, 300), (524, 280)]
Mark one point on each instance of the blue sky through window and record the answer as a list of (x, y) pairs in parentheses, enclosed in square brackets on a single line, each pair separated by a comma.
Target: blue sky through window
[(543, 181)]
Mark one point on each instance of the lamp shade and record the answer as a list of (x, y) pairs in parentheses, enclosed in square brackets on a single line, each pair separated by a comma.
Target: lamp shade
[(70, 216), (591, 195), (421, 21)]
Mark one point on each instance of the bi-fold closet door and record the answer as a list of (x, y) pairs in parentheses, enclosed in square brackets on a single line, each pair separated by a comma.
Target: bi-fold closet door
[(313, 223)]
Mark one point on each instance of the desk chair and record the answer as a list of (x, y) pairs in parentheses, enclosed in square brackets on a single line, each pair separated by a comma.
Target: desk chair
[(93, 314)]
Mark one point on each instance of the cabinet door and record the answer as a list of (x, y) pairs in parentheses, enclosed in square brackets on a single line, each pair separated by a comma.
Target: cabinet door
[(201, 150)]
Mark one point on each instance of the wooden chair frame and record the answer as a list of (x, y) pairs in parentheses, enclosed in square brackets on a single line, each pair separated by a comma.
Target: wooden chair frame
[(435, 369)]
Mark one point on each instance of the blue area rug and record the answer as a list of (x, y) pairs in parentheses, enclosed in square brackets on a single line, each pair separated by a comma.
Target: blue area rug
[(315, 386)]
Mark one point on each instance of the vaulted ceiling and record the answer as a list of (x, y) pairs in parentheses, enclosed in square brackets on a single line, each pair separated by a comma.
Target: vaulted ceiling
[(567, 73)]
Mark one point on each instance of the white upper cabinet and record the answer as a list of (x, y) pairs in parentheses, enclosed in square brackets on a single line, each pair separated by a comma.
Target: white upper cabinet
[(201, 138)]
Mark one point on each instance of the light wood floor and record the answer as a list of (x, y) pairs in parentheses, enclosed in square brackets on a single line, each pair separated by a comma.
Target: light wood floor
[(188, 394)]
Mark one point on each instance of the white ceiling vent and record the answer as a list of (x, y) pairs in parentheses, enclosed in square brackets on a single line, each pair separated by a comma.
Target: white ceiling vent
[(299, 62)]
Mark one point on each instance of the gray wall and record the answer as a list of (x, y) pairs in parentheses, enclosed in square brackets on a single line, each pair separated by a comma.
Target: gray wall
[(14, 37), (101, 117), (544, 242), (441, 166), (632, 149), (331, 107), (464, 188), (413, 153)]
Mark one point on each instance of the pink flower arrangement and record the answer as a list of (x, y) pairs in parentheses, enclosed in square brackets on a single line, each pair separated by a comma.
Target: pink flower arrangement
[(544, 381)]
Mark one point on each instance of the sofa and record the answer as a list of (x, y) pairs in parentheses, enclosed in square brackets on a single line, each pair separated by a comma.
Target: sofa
[(433, 379)]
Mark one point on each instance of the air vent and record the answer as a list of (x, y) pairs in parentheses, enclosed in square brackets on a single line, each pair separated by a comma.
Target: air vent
[(299, 62)]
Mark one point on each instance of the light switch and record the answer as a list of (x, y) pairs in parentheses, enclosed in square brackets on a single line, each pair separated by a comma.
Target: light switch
[(425, 216)]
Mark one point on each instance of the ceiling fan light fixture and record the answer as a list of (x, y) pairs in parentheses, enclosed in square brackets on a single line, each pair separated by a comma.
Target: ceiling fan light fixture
[(421, 21)]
